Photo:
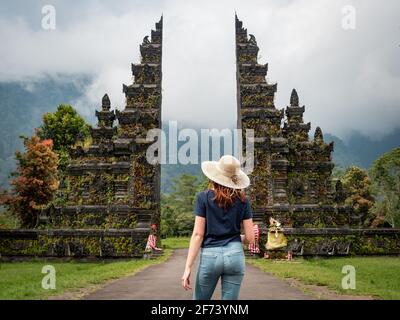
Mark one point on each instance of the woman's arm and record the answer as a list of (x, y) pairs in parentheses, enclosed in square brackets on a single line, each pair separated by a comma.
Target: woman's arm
[(248, 230), (195, 243)]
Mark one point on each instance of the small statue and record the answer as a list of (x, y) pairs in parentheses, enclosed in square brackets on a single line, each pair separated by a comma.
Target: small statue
[(274, 223), (152, 239), (276, 238)]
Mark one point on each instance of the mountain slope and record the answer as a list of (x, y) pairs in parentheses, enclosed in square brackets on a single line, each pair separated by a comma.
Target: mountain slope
[(361, 150), (22, 106)]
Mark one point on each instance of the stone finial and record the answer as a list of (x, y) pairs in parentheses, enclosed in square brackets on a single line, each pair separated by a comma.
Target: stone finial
[(106, 103), (318, 136), (146, 40), (252, 39), (238, 23), (294, 98), (159, 24)]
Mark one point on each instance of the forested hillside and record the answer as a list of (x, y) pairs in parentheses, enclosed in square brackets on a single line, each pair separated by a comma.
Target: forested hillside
[(361, 150), (23, 104)]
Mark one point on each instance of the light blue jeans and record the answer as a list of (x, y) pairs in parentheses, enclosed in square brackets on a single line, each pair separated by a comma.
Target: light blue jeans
[(226, 262)]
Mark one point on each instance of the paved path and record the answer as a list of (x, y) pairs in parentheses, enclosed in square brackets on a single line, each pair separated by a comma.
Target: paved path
[(162, 282)]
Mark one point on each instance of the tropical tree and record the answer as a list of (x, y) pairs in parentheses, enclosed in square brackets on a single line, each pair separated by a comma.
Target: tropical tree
[(65, 128), (357, 188), (35, 180), (177, 207), (385, 175)]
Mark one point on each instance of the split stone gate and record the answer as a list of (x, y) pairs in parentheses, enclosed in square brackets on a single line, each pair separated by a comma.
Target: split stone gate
[(111, 194)]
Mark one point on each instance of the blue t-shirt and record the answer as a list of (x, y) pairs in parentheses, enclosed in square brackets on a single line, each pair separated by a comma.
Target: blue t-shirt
[(222, 225)]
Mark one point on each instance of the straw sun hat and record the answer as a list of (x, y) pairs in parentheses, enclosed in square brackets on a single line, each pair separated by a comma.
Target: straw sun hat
[(226, 172)]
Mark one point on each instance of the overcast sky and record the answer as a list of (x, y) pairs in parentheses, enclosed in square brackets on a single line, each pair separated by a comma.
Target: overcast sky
[(347, 79)]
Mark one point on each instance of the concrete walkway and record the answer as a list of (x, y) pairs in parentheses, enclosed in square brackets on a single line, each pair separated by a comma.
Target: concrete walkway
[(163, 282)]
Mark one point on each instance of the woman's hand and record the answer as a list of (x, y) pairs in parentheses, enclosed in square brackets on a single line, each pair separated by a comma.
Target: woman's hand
[(186, 279)]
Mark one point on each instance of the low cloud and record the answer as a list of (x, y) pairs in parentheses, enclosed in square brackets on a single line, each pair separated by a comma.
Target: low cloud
[(346, 78)]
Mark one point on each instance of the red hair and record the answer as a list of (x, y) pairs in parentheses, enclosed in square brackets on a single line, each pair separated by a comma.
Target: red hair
[(225, 196)]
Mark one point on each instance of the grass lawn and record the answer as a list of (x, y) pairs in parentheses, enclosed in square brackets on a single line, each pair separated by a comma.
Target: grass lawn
[(22, 280), (375, 276), (176, 242)]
